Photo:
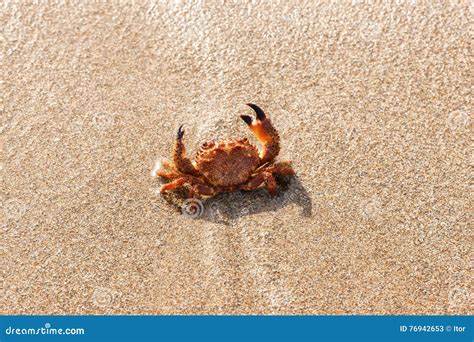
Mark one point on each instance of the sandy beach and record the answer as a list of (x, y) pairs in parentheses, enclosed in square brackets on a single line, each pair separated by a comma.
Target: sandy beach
[(373, 106)]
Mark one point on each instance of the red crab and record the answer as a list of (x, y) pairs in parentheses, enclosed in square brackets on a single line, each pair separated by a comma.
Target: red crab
[(228, 165)]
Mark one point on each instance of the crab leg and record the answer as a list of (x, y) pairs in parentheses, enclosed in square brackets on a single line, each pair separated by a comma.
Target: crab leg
[(259, 179), (167, 170), (282, 168), (203, 190), (196, 186), (177, 183), (182, 163), (264, 131)]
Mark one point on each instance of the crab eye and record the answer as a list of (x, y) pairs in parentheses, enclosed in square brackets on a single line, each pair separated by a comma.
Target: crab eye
[(207, 145)]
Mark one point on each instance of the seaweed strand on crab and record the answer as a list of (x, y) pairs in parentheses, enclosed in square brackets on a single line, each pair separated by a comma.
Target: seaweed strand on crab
[(228, 165)]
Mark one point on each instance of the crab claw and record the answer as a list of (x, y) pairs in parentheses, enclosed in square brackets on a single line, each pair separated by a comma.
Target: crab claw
[(180, 132), (247, 119), (264, 131), (260, 114)]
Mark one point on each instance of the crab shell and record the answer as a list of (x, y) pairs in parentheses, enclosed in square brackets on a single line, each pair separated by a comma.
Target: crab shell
[(227, 163)]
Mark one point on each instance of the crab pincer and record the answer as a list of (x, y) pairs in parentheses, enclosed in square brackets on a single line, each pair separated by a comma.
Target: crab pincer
[(180, 133)]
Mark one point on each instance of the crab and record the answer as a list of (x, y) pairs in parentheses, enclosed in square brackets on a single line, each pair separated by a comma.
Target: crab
[(228, 165)]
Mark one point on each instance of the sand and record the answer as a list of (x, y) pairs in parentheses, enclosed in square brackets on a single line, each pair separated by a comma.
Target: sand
[(373, 105)]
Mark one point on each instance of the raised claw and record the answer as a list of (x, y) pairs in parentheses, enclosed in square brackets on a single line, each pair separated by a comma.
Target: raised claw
[(260, 114), (247, 119), (180, 132)]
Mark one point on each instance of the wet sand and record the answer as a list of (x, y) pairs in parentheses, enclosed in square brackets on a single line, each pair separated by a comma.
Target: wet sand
[(373, 107)]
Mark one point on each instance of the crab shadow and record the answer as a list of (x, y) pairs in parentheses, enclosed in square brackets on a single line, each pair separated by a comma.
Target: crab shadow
[(227, 207)]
